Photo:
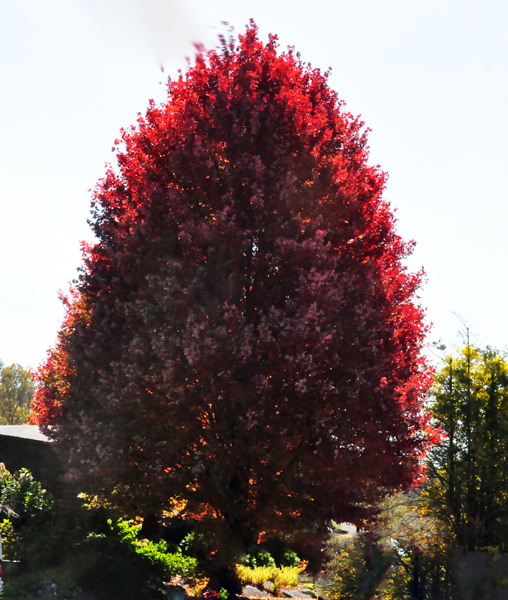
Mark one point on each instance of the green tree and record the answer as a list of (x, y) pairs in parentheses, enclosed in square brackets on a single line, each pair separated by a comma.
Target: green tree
[(16, 393), (468, 469)]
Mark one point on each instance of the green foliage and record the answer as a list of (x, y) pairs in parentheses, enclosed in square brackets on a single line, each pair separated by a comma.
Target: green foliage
[(111, 563), (187, 543), (32, 530), (114, 563), (262, 558), (291, 559), (168, 563), (223, 594), (22, 498), (109, 568), (16, 394), (103, 566), (46, 543), (249, 561)]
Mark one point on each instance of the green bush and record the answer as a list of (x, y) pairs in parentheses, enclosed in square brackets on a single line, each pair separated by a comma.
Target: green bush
[(111, 563), (22, 498), (109, 568), (291, 559), (47, 543), (167, 563), (33, 530), (262, 558)]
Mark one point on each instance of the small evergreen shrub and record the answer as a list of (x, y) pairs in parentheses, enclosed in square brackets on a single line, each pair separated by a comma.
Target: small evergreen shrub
[(291, 559)]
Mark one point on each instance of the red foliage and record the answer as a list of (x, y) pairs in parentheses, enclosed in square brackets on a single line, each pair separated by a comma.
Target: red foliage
[(244, 333)]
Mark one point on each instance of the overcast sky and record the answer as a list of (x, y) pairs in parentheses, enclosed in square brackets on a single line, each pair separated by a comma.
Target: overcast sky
[(429, 77)]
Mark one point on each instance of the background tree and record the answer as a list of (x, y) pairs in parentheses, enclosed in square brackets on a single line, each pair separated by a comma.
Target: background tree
[(357, 566), (401, 555), (243, 335), (468, 469), (417, 543), (16, 394)]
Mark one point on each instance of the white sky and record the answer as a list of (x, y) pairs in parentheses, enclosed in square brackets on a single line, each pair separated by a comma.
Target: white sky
[(430, 78)]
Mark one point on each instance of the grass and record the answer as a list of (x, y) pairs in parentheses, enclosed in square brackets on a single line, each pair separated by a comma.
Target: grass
[(281, 577)]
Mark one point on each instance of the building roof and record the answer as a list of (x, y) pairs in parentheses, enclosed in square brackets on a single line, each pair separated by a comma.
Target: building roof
[(27, 432)]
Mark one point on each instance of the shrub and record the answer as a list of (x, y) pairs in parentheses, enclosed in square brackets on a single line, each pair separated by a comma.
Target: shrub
[(259, 559), (47, 543), (109, 568), (169, 564), (264, 559), (34, 530), (291, 559), (22, 498)]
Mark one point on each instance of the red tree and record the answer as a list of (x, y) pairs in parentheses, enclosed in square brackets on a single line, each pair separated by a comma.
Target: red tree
[(244, 334)]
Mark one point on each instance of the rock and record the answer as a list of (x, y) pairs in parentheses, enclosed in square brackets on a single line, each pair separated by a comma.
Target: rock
[(157, 594), (250, 590), (298, 594), (80, 594), (44, 589), (175, 592)]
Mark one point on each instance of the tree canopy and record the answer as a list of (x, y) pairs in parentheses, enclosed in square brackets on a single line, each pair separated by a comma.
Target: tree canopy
[(16, 394), (468, 469), (244, 335)]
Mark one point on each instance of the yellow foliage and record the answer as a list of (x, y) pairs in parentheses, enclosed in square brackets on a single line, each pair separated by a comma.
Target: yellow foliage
[(108, 501), (281, 577), (177, 506), (10, 540), (196, 586)]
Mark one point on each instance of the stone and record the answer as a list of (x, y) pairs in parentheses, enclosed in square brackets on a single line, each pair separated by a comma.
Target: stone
[(175, 592), (45, 589), (80, 594), (298, 594), (250, 590)]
